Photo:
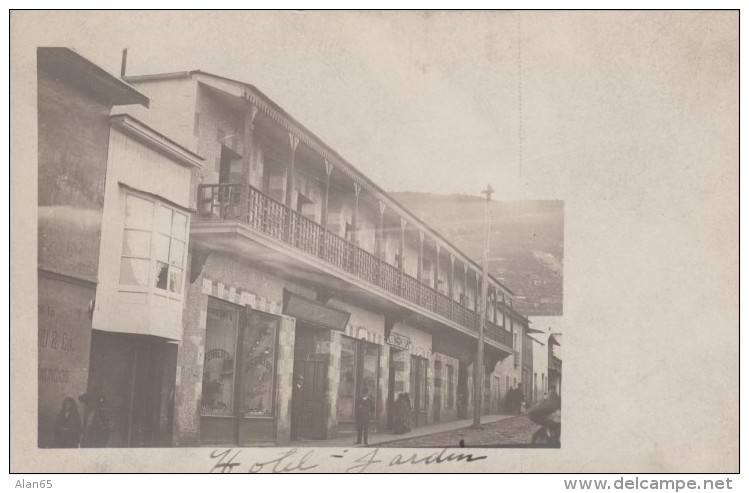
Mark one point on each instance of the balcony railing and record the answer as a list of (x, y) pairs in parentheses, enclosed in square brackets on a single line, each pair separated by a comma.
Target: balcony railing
[(556, 364), (228, 201)]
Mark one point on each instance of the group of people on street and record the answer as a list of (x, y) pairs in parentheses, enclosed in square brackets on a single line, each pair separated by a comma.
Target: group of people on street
[(365, 409), (93, 431), (515, 399)]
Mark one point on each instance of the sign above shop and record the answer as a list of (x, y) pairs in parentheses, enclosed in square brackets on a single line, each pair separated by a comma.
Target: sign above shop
[(399, 341), (314, 312)]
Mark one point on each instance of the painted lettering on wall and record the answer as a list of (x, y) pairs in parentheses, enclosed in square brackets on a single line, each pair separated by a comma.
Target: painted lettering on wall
[(57, 340), (54, 375)]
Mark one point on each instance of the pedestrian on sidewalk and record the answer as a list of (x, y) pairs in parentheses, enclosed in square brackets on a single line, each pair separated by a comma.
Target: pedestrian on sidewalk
[(364, 410), (402, 414), (68, 425)]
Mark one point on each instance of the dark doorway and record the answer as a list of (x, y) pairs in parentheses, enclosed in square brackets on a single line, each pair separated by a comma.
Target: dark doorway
[(419, 390), (392, 395), (308, 400), (462, 403), (437, 391), (136, 376), (230, 166)]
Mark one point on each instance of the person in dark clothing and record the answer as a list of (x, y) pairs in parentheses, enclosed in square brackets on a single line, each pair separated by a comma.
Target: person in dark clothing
[(511, 400), (98, 424), (402, 414), (68, 425), (518, 401), (364, 411), (548, 414)]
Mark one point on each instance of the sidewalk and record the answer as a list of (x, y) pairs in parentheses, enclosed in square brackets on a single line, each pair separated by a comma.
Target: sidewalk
[(386, 436)]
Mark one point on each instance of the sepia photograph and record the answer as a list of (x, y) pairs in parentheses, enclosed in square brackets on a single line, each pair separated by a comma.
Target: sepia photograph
[(261, 237)]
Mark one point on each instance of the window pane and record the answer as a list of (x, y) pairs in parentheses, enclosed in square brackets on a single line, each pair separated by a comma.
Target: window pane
[(162, 248), (134, 272), (164, 220), (162, 270), (177, 253), (178, 225), (175, 280), (218, 366), (370, 372), (136, 244), (258, 365), (138, 213), (347, 383)]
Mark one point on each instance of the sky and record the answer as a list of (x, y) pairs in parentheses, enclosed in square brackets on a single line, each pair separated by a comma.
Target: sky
[(629, 117), (444, 102)]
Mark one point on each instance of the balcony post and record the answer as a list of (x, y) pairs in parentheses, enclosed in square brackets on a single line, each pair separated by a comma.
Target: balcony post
[(247, 158), (290, 180), (504, 313), (326, 196), (380, 239), (465, 282), (420, 267), (494, 305), (476, 301), (451, 278), (324, 213), (402, 253), (437, 268), (380, 246), (355, 219), (291, 171)]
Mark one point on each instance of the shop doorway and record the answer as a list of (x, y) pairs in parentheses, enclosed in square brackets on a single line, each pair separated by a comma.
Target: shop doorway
[(391, 397), (462, 403), (419, 390), (136, 375), (308, 400), (437, 391)]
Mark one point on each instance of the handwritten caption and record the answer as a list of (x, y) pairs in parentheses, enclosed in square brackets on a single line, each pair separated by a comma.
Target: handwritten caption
[(354, 461)]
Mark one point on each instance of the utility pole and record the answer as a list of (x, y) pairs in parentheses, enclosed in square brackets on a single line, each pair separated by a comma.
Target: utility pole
[(478, 388)]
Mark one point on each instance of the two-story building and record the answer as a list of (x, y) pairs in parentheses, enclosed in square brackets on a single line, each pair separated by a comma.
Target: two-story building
[(308, 283), (114, 215)]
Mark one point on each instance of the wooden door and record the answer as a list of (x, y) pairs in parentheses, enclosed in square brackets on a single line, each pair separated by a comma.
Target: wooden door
[(462, 391), (309, 400)]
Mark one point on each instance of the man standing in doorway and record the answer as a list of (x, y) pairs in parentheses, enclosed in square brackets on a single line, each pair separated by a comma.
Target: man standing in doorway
[(364, 410)]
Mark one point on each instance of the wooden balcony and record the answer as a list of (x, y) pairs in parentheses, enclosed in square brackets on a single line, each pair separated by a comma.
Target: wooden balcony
[(556, 364), (274, 219)]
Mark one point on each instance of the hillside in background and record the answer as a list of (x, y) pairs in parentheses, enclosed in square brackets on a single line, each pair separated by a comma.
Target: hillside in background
[(526, 243)]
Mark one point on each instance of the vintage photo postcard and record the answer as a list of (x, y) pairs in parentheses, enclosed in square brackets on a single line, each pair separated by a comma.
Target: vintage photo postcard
[(362, 241)]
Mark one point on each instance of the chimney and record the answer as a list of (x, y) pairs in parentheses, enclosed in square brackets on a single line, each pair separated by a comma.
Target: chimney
[(124, 63)]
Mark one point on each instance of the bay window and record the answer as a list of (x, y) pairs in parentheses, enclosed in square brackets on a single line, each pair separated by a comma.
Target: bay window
[(153, 246)]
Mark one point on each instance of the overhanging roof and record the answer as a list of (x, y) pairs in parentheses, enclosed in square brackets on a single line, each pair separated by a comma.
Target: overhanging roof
[(68, 65)]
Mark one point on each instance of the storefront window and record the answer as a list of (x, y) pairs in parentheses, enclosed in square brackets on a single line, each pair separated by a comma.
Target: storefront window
[(347, 383), (259, 358), (360, 368), (218, 368), (252, 383), (449, 386)]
